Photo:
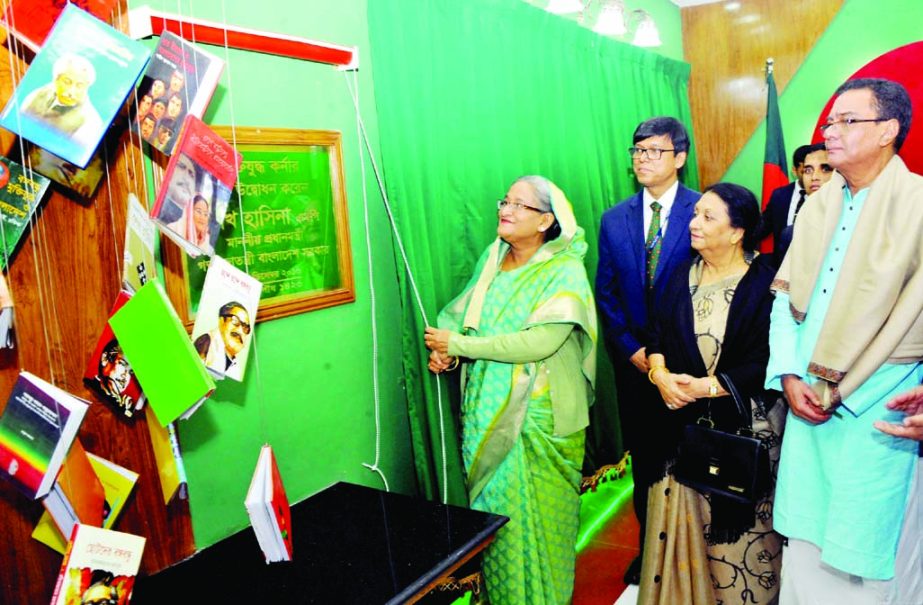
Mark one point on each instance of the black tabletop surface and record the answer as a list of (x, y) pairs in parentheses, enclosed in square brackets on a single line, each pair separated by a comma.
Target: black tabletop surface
[(352, 544)]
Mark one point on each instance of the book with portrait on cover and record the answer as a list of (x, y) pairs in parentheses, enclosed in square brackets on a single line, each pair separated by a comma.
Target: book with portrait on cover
[(99, 566), (179, 81), (74, 87), (193, 197), (38, 425)]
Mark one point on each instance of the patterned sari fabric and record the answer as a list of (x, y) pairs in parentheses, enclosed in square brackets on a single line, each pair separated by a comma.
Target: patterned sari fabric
[(682, 566), (522, 447)]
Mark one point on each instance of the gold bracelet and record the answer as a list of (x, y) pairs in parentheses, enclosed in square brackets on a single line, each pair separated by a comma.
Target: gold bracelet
[(454, 365), (713, 387), (650, 373)]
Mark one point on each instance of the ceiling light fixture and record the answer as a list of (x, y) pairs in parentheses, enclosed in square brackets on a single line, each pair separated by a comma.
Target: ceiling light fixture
[(646, 33), (565, 7), (611, 19)]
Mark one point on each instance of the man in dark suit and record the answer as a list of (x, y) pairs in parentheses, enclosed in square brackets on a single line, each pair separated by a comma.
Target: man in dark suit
[(641, 241), (812, 171)]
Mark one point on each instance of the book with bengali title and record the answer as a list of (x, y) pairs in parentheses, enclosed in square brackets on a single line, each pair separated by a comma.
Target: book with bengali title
[(268, 508), (20, 195), (139, 261), (172, 376), (31, 20), (225, 319), (38, 425), (99, 566), (108, 373), (193, 197), (77, 495), (179, 81), (75, 86), (117, 482)]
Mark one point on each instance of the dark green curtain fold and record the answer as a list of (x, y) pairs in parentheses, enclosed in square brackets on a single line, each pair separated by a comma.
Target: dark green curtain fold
[(470, 95)]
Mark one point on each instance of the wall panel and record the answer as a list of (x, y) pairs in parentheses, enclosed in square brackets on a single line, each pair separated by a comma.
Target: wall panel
[(727, 48)]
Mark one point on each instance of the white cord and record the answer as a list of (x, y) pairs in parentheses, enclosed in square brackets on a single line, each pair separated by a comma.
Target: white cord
[(413, 283)]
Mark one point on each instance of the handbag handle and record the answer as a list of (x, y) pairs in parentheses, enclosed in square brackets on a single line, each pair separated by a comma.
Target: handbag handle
[(743, 411)]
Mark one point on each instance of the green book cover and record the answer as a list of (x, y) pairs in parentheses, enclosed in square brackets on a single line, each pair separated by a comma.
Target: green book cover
[(156, 344), (20, 194)]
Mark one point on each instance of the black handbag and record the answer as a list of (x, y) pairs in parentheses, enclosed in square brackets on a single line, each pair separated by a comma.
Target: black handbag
[(733, 465)]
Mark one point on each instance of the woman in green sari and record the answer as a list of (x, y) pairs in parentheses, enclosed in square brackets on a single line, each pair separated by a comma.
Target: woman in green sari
[(525, 329)]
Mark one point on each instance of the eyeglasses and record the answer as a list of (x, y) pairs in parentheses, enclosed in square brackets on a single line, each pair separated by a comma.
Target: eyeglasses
[(843, 125), (652, 153), (237, 322), (516, 206)]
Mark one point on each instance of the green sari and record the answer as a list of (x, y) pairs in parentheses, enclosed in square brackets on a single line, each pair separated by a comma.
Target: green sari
[(523, 423)]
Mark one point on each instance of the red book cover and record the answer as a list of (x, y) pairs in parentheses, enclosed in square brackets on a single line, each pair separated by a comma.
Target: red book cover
[(78, 495), (31, 20), (193, 197), (280, 507), (108, 373)]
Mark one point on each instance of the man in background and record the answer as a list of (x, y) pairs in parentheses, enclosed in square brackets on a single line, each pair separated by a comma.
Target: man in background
[(641, 241), (815, 171), (846, 336), (780, 211)]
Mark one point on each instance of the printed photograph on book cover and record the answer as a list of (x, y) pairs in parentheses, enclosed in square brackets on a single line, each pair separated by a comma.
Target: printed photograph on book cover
[(82, 181), (179, 81), (74, 87), (108, 373)]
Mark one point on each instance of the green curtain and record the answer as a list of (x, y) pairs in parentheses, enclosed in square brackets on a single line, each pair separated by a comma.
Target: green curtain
[(471, 94)]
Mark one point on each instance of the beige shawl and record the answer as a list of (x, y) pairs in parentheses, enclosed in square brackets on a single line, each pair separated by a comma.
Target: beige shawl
[(875, 315)]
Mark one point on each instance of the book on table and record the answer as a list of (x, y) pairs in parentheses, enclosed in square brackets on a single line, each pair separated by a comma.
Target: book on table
[(193, 197), (75, 86), (37, 428), (117, 483), (172, 376), (225, 319), (268, 508), (180, 80), (99, 566)]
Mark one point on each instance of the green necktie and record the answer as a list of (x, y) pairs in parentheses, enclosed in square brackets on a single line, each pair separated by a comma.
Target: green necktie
[(652, 243)]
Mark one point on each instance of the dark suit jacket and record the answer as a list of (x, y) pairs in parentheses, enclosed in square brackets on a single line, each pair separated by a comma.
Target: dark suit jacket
[(775, 216), (621, 291)]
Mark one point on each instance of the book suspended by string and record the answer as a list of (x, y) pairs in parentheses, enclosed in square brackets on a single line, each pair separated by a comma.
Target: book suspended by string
[(37, 428), (193, 197), (118, 483), (173, 378), (20, 195), (77, 495), (99, 566), (6, 315), (108, 373), (169, 459), (225, 319), (179, 80), (31, 20), (139, 264), (268, 508), (74, 87), (82, 181)]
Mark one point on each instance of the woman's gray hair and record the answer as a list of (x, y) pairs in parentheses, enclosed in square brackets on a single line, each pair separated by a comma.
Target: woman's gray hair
[(542, 190)]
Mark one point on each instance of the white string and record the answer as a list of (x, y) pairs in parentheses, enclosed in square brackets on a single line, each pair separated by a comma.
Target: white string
[(413, 284), (374, 308)]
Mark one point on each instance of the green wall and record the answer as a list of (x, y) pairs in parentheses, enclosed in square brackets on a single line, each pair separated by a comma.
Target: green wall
[(308, 389), (861, 31)]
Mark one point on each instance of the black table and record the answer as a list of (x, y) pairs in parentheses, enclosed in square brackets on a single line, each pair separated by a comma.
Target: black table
[(352, 544)]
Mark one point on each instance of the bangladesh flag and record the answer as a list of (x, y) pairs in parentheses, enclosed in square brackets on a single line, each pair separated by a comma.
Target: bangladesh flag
[(775, 169)]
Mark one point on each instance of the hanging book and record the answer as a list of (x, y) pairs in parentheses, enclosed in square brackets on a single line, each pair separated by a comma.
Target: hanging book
[(179, 81), (75, 86), (31, 20), (118, 483), (77, 495), (158, 348), (6, 315), (169, 459), (108, 373), (99, 566), (37, 428), (193, 197), (268, 508), (139, 264), (20, 195), (225, 319), (82, 181)]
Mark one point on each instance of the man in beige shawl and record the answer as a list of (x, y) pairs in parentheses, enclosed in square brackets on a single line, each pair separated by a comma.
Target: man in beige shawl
[(846, 337)]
